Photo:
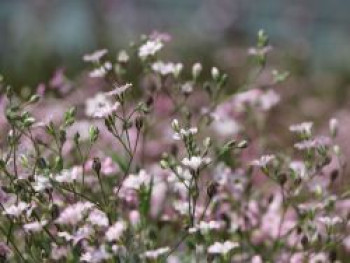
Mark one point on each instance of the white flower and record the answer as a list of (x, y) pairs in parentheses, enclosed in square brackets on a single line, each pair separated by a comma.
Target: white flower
[(123, 57), (154, 254), (119, 90), (318, 142), (264, 160), (73, 214), (94, 255), (330, 221), (299, 168), (135, 181), (269, 99), (183, 133), (66, 176), (99, 106), (95, 56), (195, 162), (41, 183), (222, 248), (150, 48), (215, 73), (167, 68), (205, 227), (259, 51), (333, 126), (35, 226), (98, 218), (187, 87), (83, 232), (16, 209), (304, 127), (115, 231), (196, 69)]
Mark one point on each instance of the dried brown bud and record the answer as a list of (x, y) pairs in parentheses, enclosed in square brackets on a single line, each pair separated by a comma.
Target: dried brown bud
[(304, 241), (282, 179), (96, 165), (334, 175), (212, 189), (139, 122)]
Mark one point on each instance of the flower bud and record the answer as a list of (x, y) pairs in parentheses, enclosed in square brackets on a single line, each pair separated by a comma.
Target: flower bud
[(215, 74), (212, 189), (96, 165), (93, 133), (139, 122), (333, 127), (196, 70), (34, 99), (175, 125)]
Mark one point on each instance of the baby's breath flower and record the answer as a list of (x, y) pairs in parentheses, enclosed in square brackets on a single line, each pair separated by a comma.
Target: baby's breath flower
[(16, 209), (302, 128), (98, 218), (95, 255), (73, 214), (154, 254), (318, 142), (195, 162), (119, 90), (264, 160), (333, 127), (115, 231), (35, 226), (150, 48), (167, 68), (41, 183), (95, 56), (196, 70), (123, 56), (100, 107), (330, 221), (222, 248)]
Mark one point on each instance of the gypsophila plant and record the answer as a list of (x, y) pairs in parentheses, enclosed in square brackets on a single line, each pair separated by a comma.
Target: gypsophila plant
[(162, 165)]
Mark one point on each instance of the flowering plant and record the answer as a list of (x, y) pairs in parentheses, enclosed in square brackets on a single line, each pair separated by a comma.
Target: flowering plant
[(169, 167)]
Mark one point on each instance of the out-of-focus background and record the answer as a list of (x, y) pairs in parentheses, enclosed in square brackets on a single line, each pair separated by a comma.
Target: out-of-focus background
[(310, 38)]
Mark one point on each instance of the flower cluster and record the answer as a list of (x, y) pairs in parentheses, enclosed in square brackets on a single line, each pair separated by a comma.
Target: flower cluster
[(166, 166)]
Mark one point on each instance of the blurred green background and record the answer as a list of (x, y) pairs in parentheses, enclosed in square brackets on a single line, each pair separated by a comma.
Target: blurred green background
[(38, 36)]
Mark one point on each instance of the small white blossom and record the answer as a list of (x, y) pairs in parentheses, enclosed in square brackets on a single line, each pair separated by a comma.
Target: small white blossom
[(333, 127), (115, 231), (73, 214), (95, 56), (154, 254), (135, 181), (299, 168), (41, 183), (196, 69), (330, 221), (195, 162), (304, 127), (187, 87), (222, 248), (184, 133), (35, 226), (16, 209), (215, 73), (150, 48), (264, 160), (98, 218), (119, 90), (66, 176), (167, 68), (123, 56), (100, 107), (94, 255)]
